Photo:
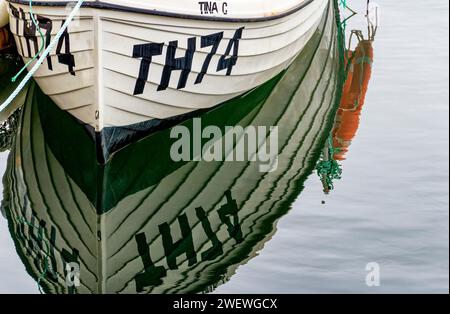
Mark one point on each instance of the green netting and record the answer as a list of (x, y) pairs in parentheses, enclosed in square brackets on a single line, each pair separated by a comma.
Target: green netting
[(327, 168), (8, 131)]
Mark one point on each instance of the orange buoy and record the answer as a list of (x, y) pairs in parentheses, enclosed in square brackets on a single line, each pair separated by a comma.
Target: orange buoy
[(359, 63)]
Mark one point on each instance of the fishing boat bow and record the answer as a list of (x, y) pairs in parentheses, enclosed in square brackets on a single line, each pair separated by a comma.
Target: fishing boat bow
[(135, 65)]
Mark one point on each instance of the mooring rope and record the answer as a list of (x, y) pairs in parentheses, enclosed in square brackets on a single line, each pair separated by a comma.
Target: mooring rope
[(41, 59), (328, 168)]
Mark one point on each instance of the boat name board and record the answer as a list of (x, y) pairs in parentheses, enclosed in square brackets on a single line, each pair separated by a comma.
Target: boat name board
[(213, 8)]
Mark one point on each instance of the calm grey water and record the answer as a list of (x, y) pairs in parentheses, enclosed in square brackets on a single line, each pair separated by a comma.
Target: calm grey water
[(391, 206)]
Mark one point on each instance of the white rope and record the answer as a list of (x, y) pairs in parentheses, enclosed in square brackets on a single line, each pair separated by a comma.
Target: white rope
[(43, 56)]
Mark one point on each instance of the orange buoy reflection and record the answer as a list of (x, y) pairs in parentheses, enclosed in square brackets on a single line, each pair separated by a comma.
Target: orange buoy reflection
[(359, 67)]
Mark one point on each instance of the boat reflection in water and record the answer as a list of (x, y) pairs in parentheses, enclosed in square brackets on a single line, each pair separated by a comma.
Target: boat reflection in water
[(143, 223)]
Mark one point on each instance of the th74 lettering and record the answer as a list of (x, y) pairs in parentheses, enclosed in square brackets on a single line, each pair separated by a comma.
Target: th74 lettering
[(146, 52)]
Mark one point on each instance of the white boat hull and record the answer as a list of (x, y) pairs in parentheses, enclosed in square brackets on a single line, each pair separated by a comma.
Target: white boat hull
[(3, 14), (115, 68)]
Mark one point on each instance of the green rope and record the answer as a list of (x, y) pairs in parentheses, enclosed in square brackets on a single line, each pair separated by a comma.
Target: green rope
[(330, 168), (36, 24), (342, 56), (343, 23)]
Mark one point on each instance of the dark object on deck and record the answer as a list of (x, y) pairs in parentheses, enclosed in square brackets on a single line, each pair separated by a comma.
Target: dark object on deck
[(5, 39)]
